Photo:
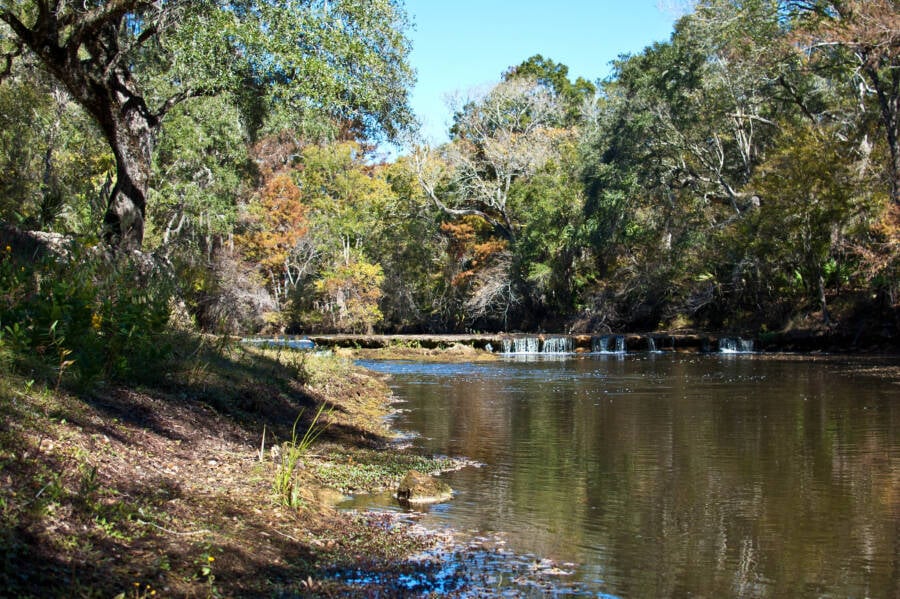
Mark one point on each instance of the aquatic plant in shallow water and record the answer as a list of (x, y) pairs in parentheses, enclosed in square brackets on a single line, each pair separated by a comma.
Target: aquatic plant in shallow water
[(373, 471)]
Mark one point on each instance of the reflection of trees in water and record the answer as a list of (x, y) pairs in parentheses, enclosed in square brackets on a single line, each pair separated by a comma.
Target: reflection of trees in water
[(691, 476)]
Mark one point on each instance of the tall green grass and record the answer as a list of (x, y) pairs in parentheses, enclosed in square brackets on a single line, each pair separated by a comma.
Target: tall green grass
[(287, 485)]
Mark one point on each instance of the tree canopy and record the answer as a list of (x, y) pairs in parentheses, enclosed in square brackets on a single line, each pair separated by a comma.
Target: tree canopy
[(128, 63), (742, 174)]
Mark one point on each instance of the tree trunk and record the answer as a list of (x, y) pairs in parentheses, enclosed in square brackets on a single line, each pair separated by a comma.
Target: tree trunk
[(131, 131), (887, 89), (89, 65), (123, 223)]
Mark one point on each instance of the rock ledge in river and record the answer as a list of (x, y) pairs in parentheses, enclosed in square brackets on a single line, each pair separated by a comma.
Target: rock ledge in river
[(422, 488)]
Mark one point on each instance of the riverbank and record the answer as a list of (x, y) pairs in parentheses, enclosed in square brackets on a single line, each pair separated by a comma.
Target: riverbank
[(167, 489)]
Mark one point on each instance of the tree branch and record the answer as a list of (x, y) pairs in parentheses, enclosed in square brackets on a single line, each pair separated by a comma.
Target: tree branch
[(183, 96), (8, 61), (25, 35), (93, 20), (116, 58)]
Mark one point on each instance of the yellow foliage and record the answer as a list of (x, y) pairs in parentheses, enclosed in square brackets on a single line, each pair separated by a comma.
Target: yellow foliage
[(348, 296)]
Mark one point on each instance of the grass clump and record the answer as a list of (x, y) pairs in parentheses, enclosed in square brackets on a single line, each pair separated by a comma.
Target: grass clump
[(287, 485)]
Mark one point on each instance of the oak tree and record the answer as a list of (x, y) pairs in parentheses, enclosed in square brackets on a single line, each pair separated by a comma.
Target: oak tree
[(130, 62)]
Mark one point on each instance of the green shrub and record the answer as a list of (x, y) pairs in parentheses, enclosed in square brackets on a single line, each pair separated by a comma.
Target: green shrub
[(95, 315)]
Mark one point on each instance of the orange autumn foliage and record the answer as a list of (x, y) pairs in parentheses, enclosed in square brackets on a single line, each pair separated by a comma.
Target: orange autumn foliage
[(468, 252), (278, 222)]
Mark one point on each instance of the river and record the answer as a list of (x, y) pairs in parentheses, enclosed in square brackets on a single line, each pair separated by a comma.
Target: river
[(663, 475)]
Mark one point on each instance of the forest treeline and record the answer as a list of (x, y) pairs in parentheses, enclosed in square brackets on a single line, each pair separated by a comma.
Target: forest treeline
[(743, 175)]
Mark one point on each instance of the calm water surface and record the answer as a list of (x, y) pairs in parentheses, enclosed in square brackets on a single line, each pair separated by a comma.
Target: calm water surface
[(666, 475)]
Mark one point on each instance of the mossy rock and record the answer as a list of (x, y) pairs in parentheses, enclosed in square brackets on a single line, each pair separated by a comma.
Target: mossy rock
[(422, 488)]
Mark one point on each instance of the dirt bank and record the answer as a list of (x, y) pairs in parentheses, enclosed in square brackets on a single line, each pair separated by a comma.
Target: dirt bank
[(167, 489)]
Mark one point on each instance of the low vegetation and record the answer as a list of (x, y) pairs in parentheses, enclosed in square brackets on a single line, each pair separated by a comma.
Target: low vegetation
[(161, 488)]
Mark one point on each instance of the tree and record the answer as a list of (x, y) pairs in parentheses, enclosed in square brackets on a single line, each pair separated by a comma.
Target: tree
[(200, 169), (812, 191), (574, 95), (552, 247), (279, 223), (313, 230), (347, 296), (53, 163), (347, 198), (866, 34), (505, 136), (130, 62), (683, 127)]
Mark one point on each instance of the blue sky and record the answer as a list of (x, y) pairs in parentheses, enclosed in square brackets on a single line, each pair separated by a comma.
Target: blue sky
[(463, 44)]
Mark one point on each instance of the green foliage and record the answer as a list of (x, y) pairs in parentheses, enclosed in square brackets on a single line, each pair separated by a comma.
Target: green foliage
[(53, 164), (551, 265), (575, 95), (409, 245), (312, 229), (347, 197), (811, 196), (200, 166), (511, 202), (718, 178), (342, 64), (719, 152), (97, 317)]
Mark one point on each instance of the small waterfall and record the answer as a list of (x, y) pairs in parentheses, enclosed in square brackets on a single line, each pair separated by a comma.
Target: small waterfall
[(735, 345), (608, 344), (292, 343), (521, 345), (651, 344), (558, 345)]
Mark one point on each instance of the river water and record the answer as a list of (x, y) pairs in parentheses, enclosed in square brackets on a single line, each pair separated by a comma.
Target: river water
[(662, 475)]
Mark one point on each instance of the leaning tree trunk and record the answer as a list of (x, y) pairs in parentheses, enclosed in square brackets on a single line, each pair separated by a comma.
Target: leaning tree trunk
[(123, 223), (130, 130), (84, 52)]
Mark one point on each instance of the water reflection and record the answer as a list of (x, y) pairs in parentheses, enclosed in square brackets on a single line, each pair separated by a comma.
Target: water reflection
[(670, 475)]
